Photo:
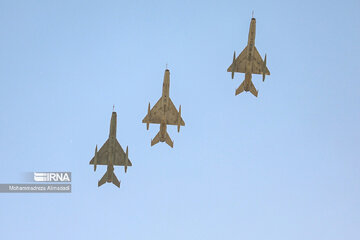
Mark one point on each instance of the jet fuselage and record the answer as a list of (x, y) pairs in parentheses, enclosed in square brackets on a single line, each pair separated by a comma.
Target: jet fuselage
[(166, 89), (248, 77), (112, 133), (251, 40), (109, 173), (112, 141), (250, 53), (165, 98), (163, 127)]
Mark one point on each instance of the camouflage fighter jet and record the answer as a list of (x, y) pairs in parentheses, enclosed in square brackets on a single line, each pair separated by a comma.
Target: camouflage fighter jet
[(164, 113), (249, 62), (111, 154)]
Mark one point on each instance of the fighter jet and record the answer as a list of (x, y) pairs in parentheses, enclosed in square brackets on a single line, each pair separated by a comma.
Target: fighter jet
[(164, 113), (111, 154), (249, 62)]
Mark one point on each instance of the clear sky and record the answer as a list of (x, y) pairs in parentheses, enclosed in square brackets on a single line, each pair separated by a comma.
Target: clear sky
[(281, 166)]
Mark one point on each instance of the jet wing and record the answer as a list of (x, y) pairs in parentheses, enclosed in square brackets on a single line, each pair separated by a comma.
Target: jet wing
[(156, 113), (240, 62), (172, 115), (258, 63), (103, 155), (120, 156)]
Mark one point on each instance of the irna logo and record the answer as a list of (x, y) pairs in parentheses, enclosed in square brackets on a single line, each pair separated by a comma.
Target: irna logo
[(52, 176)]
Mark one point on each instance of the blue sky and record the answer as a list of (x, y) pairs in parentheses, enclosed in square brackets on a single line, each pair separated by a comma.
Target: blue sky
[(284, 165)]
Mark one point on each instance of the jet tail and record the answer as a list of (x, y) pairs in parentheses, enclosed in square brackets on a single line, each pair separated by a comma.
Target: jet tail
[(241, 88), (114, 180), (167, 140)]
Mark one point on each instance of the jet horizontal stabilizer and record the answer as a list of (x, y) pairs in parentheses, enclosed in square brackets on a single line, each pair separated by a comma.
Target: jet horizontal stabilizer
[(115, 181), (169, 141), (102, 180), (240, 89), (105, 179), (253, 90), (156, 139)]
